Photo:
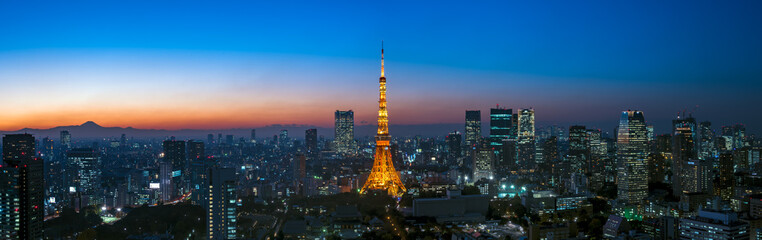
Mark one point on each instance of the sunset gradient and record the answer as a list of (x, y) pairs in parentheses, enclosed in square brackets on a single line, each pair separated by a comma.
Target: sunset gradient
[(239, 65)]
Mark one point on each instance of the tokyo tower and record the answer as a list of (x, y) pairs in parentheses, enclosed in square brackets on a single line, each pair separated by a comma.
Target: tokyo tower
[(383, 176)]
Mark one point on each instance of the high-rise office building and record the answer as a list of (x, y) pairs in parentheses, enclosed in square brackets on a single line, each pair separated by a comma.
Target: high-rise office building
[(311, 140), (344, 135), (220, 204), (526, 124), (579, 149), (473, 128), (174, 153), (21, 189), (595, 140), (632, 176), (210, 139), (500, 121), (454, 144), (500, 124), (166, 181), (657, 167), (283, 138), (725, 187), (484, 162), (735, 135), (697, 176), (526, 137), (253, 136), (707, 143), (196, 150), (84, 167), (550, 151), (229, 140), (65, 140), (197, 164), (683, 149), (300, 173)]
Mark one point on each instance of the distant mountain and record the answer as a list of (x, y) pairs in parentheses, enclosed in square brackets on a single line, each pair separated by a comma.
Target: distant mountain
[(91, 130)]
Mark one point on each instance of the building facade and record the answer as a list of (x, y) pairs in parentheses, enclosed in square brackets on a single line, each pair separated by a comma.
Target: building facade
[(632, 175), (344, 135)]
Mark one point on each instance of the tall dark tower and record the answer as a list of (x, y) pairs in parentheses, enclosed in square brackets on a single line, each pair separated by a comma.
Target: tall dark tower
[(383, 176), (473, 128), (683, 149), (21, 189), (579, 149), (310, 139), (500, 123), (174, 154)]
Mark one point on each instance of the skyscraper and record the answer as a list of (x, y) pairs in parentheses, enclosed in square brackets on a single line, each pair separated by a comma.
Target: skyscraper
[(220, 205), (174, 153), (707, 143), (597, 148), (500, 122), (454, 144), (383, 176), (22, 188), (736, 134), (84, 165), (473, 128), (300, 173), (65, 140), (310, 140), (632, 176), (197, 164), (484, 161), (550, 150), (283, 138), (525, 146), (195, 150), (579, 149), (697, 176), (253, 135), (229, 140), (726, 184), (683, 148), (344, 135), (166, 182), (500, 126)]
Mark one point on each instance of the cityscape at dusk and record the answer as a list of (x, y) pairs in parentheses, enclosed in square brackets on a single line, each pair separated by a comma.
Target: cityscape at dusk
[(381, 120)]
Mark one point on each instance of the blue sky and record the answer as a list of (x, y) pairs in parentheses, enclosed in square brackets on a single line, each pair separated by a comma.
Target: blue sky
[(575, 63)]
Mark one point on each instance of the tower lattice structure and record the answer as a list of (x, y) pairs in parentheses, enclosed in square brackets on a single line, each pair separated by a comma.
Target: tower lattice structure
[(383, 176)]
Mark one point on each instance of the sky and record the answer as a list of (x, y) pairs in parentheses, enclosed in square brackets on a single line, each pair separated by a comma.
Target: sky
[(203, 65)]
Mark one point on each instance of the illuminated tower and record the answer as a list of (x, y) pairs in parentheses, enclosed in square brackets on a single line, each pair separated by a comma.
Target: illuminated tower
[(632, 175), (383, 176)]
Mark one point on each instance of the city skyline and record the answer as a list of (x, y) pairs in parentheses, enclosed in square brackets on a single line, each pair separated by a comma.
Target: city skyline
[(264, 120), (573, 64)]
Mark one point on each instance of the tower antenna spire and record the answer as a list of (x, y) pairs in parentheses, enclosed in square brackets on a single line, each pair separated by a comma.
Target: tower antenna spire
[(382, 58)]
